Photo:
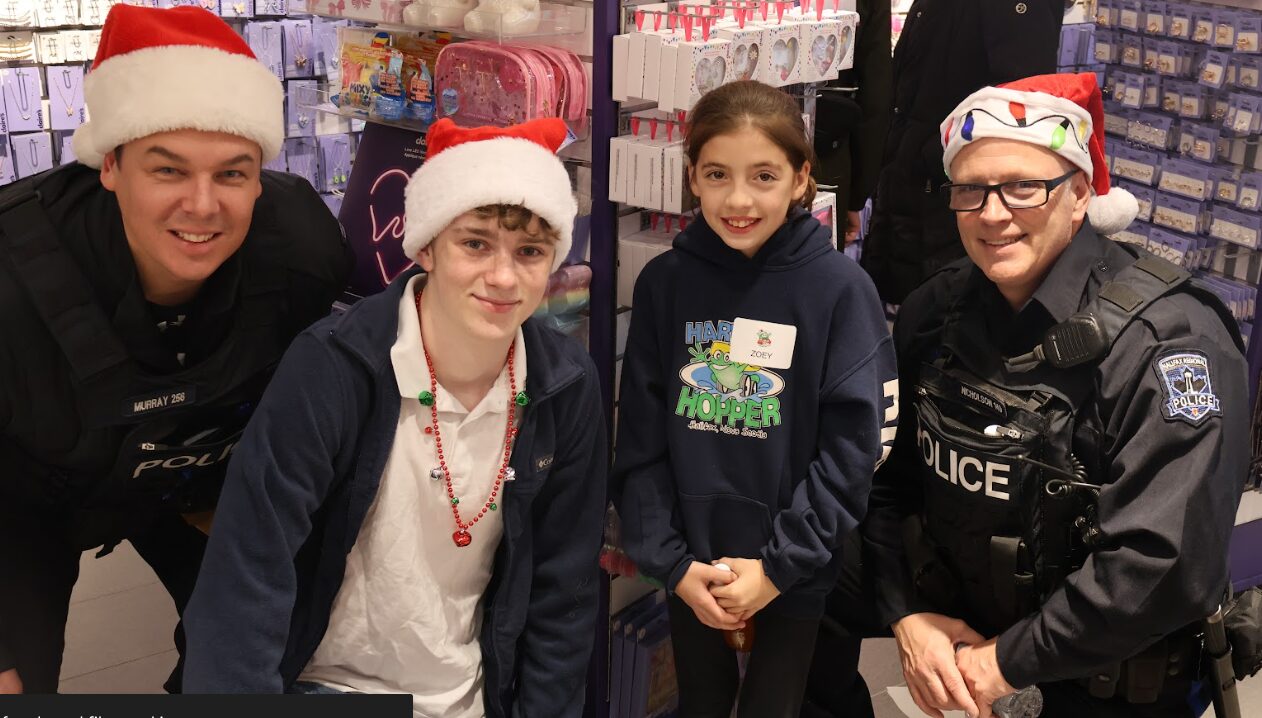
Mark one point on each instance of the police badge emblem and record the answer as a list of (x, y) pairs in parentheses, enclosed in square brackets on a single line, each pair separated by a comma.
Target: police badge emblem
[(1189, 395)]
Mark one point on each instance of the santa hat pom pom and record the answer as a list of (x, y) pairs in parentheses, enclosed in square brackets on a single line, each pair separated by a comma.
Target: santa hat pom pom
[(1112, 212)]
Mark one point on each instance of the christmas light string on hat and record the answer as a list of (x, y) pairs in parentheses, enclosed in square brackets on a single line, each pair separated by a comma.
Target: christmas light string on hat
[(1063, 113)]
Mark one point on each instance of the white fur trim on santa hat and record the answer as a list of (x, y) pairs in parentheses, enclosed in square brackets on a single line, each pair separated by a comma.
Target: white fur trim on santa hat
[(504, 170), (179, 87), (1113, 212)]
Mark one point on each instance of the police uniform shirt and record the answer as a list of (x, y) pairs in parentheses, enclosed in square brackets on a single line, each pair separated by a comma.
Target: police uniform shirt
[(1172, 473)]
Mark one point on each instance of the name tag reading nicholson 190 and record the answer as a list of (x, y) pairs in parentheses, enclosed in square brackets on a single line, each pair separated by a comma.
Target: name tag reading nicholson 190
[(764, 344)]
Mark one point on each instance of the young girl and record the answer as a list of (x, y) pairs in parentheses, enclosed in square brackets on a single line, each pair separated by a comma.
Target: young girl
[(757, 391)]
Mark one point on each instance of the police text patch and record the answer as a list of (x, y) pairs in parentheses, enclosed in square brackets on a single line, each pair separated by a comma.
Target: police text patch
[(1188, 391), (138, 405)]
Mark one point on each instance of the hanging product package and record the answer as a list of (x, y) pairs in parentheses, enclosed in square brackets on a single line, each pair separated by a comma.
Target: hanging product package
[(372, 81)]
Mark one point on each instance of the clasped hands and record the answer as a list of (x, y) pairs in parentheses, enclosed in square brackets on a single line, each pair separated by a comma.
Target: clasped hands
[(941, 678), (726, 599)]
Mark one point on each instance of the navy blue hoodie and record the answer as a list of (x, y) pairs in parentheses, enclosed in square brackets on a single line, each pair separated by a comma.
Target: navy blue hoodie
[(716, 458)]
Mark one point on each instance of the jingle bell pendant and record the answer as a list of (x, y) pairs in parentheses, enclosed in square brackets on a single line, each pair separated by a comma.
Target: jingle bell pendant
[(426, 398), (462, 538), (510, 474), (436, 474), (522, 398)]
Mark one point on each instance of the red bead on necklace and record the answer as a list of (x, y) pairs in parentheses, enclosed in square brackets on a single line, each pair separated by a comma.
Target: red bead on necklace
[(462, 537)]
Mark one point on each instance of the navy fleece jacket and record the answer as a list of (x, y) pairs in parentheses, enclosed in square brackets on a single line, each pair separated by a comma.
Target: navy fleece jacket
[(721, 458), (306, 472)]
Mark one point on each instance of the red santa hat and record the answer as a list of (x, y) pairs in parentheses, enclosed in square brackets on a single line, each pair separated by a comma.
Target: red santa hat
[(469, 168), (176, 69), (1062, 113)]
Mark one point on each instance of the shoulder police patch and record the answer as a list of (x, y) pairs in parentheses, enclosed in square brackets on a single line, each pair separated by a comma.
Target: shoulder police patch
[(1189, 392)]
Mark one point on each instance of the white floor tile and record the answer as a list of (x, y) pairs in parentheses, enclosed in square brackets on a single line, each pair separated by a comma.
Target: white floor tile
[(116, 628), (143, 675), (119, 571)]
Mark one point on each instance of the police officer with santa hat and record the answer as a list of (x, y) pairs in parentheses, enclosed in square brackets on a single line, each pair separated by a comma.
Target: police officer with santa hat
[(146, 293), (1073, 434)]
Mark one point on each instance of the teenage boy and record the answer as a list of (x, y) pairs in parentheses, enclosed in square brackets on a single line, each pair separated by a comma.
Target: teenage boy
[(417, 505)]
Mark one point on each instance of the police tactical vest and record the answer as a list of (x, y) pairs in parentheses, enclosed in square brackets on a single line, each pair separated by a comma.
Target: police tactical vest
[(180, 427), (1009, 505)]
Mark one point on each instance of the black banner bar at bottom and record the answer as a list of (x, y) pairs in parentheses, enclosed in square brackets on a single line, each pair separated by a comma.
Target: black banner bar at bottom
[(209, 706)]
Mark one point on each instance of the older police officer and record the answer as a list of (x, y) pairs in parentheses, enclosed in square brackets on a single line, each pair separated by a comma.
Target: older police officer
[(1057, 506)]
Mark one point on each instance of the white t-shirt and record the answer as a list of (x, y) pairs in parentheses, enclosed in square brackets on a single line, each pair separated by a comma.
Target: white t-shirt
[(408, 615)]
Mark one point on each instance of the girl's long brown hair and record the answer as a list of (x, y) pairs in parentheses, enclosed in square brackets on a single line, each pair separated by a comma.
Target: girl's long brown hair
[(748, 103)]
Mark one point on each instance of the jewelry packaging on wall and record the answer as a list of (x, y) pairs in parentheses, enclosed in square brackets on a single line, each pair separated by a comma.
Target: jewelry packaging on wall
[(236, 8), (326, 60), (265, 40), (65, 96), (17, 47), (92, 41), (334, 162), (280, 164), (92, 12), (65, 147), (50, 48), (74, 45), (780, 58), (301, 154), (824, 49), (50, 13), (17, 13), (1173, 247), (1144, 196), (271, 7), (1236, 227), (298, 48), (1186, 178), (300, 96), (703, 66), (22, 94), (1178, 213), (32, 153), (7, 170)]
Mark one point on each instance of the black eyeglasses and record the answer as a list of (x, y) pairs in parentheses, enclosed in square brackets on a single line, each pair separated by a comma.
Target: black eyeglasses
[(1017, 194)]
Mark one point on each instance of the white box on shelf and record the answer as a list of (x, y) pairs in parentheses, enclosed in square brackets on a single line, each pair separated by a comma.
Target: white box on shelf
[(646, 190), (635, 65), (666, 73), (699, 68), (781, 55), (619, 166), (626, 272), (653, 75), (823, 48), (849, 30), (676, 195), (621, 44), (748, 45)]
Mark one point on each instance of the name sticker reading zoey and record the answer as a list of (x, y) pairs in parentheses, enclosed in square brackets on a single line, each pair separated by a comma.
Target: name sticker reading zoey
[(763, 344), (1189, 394)]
